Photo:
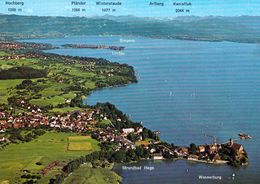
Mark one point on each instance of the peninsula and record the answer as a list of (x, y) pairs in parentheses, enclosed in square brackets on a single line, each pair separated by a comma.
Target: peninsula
[(83, 46), (42, 115)]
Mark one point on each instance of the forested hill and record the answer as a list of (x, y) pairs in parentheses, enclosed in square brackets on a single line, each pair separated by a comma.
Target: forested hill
[(238, 29)]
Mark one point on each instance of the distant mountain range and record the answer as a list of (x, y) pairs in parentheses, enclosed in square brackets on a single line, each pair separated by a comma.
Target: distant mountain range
[(237, 29)]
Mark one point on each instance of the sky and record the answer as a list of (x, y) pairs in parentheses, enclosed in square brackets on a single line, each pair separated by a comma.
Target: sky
[(140, 8)]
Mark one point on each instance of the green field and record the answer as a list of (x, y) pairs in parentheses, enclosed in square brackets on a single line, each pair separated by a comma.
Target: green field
[(45, 149), (3, 53), (77, 143), (64, 110), (105, 122), (6, 88), (88, 175), (56, 100)]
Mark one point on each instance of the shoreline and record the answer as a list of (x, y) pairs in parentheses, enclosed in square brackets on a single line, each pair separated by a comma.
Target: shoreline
[(131, 36), (161, 148)]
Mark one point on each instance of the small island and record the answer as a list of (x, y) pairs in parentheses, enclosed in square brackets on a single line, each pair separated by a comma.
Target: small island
[(42, 114)]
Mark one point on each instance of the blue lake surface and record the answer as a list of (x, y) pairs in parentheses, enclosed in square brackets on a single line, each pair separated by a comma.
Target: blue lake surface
[(186, 89)]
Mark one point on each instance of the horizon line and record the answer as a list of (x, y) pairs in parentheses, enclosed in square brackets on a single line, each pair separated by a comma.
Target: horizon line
[(96, 16)]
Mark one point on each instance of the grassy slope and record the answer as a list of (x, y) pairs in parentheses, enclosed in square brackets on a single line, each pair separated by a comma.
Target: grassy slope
[(56, 87), (88, 175), (51, 88), (47, 148)]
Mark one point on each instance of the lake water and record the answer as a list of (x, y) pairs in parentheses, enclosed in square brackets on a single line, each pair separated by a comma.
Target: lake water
[(186, 89)]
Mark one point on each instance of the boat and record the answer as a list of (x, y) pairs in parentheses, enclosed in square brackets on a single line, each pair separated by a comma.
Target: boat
[(244, 136)]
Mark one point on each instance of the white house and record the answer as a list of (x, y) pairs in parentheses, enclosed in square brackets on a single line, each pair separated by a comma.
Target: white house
[(128, 130), (157, 156), (2, 139)]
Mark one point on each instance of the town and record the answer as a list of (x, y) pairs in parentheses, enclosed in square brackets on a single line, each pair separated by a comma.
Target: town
[(129, 137), (11, 45)]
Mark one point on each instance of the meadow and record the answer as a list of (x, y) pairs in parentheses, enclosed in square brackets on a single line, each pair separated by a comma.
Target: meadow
[(80, 143), (88, 175), (50, 147)]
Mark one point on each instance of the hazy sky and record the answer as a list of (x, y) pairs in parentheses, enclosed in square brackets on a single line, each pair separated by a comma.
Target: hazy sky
[(134, 7)]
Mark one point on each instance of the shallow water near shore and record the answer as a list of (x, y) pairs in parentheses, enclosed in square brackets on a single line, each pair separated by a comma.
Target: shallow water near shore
[(186, 89)]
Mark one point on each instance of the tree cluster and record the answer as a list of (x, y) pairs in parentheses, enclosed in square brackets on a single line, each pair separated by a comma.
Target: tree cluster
[(22, 72)]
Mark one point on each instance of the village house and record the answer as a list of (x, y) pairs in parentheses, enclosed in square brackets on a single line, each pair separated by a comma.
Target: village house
[(18, 125), (90, 114), (158, 156), (67, 101), (216, 158), (193, 157), (152, 150), (238, 148), (212, 148), (2, 139), (183, 151), (3, 122), (139, 130), (92, 122), (2, 115), (200, 149), (128, 130)]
